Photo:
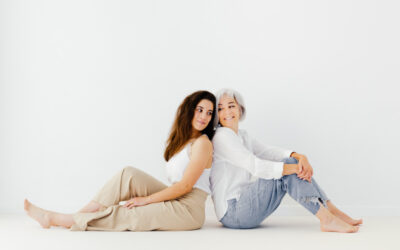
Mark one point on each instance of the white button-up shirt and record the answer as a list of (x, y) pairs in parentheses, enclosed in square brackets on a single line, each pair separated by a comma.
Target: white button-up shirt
[(239, 159)]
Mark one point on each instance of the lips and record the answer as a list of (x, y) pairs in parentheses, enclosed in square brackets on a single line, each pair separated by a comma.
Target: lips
[(229, 118)]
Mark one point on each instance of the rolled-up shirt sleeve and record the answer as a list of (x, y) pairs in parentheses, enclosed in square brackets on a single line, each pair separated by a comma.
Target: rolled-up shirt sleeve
[(228, 147)]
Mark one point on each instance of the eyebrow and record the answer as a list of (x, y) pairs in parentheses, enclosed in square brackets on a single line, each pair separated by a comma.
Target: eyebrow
[(228, 103), (203, 108)]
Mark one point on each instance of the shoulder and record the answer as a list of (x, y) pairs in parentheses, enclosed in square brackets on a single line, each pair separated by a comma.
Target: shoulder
[(245, 136), (202, 142), (243, 132), (201, 146), (223, 132)]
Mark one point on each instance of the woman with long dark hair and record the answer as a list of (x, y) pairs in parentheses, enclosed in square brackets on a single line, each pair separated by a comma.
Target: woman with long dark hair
[(151, 205)]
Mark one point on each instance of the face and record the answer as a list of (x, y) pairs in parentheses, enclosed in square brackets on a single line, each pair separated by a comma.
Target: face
[(228, 112), (202, 114)]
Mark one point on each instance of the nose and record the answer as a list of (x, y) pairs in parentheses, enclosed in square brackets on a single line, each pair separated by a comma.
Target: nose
[(203, 115), (228, 112)]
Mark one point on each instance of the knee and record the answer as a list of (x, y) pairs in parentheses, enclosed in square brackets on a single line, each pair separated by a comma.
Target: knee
[(293, 177), (131, 171), (290, 160)]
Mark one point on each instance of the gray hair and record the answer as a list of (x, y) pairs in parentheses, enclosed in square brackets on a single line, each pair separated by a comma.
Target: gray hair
[(235, 95)]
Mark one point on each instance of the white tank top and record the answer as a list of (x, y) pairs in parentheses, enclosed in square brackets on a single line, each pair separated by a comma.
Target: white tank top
[(178, 163)]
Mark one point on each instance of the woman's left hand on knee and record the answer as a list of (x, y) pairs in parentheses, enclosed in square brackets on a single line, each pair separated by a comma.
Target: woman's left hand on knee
[(305, 170)]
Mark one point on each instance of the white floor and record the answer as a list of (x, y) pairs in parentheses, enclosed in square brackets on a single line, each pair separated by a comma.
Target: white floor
[(277, 232)]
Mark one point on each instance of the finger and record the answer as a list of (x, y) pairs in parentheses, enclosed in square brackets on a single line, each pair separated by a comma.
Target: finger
[(309, 175), (301, 177), (307, 172), (301, 168), (127, 203), (303, 174)]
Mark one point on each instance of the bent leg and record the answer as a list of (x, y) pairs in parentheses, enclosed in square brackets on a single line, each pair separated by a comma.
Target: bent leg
[(314, 199), (257, 201), (185, 213), (309, 195), (127, 183)]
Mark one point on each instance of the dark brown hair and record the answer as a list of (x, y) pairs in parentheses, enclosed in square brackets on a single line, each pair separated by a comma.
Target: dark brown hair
[(181, 130)]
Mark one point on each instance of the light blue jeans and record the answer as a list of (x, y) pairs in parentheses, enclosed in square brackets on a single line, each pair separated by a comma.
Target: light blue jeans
[(260, 198)]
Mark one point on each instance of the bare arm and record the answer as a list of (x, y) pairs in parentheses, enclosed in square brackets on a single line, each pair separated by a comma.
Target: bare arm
[(201, 153)]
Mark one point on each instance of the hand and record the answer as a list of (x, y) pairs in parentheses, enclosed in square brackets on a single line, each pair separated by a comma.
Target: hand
[(136, 202), (305, 169)]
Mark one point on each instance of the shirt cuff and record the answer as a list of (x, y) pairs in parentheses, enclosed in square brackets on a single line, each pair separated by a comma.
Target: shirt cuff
[(278, 170)]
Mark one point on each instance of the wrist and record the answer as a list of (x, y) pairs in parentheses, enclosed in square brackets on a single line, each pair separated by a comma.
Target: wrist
[(148, 199), (297, 156)]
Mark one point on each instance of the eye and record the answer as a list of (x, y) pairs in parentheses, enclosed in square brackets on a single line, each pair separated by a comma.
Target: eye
[(219, 109), (231, 106), (209, 113), (200, 110)]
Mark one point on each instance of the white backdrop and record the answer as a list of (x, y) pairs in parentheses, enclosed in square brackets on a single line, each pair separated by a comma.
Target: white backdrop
[(88, 87)]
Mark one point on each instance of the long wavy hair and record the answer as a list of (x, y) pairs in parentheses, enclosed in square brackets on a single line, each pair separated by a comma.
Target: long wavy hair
[(182, 128)]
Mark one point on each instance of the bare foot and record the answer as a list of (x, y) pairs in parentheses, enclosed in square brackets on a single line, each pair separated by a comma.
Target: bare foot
[(347, 218), (341, 215), (38, 214), (334, 224)]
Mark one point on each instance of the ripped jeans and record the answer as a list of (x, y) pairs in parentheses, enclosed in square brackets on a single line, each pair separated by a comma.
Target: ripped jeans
[(261, 198)]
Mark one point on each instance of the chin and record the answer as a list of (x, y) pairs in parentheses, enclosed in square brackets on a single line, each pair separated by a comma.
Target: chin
[(199, 129)]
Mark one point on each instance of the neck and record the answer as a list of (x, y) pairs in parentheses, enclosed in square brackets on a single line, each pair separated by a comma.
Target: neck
[(234, 128), (196, 133)]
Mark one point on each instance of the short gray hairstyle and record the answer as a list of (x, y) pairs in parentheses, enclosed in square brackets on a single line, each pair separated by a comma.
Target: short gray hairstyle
[(235, 95)]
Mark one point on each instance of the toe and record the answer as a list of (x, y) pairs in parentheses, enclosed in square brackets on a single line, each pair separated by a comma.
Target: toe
[(26, 205)]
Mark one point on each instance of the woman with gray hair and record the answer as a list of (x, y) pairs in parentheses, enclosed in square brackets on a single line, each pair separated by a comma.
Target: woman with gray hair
[(249, 179)]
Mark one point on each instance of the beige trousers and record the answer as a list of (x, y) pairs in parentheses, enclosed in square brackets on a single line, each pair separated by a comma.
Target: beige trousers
[(184, 213)]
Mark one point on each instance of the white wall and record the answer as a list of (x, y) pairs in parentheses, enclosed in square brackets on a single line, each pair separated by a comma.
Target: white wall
[(88, 87)]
